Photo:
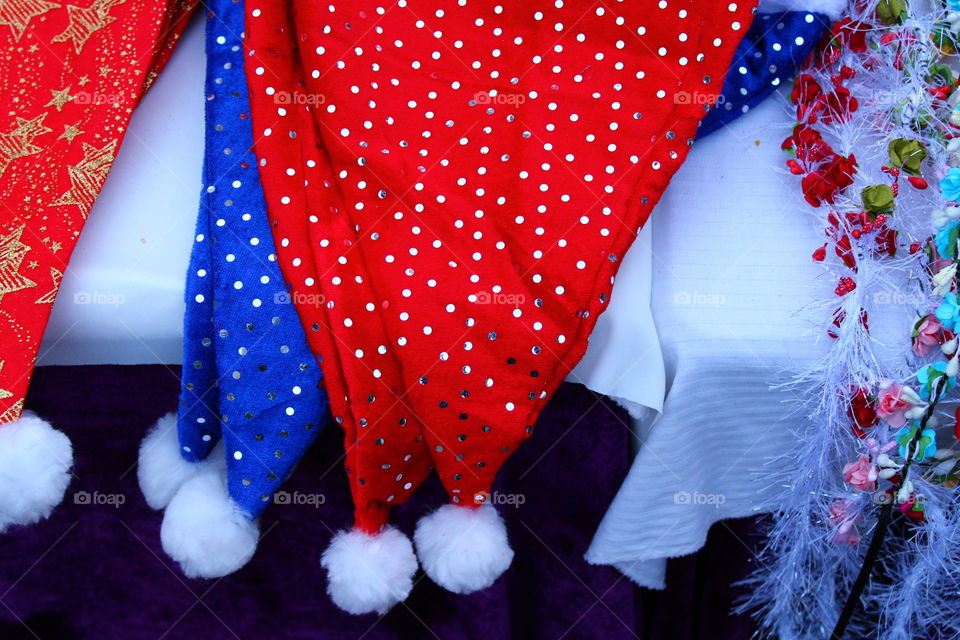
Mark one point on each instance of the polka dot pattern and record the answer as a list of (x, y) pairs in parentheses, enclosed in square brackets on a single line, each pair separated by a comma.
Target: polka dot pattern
[(248, 374), (466, 177), (775, 46)]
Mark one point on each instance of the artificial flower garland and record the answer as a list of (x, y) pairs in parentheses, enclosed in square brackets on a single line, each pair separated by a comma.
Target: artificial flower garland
[(876, 86)]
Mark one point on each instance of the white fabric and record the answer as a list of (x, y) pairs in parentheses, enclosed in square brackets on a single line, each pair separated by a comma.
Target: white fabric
[(731, 266), (121, 299), (623, 360)]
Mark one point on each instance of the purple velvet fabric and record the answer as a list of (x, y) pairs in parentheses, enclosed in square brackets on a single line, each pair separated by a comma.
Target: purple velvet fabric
[(95, 569)]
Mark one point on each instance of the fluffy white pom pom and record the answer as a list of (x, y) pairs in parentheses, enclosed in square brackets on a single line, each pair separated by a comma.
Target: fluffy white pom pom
[(463, 549), (368, 573), (205, 531), (35, 461), (162, 470), (832, 8)]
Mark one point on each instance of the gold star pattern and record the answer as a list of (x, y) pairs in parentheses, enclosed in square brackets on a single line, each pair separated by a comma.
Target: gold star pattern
[(70, 132), (3, 392), (17, 14), (12, 252), (55, 276), (60, 98), (87, 177), (83, 80), (19, 142), (85, 21)]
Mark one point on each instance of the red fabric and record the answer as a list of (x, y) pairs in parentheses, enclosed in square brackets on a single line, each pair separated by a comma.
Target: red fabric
[(452, 189), (70, 81)]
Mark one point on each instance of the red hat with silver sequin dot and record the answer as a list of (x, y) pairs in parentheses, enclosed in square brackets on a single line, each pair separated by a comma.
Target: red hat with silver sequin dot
[(451, 187)]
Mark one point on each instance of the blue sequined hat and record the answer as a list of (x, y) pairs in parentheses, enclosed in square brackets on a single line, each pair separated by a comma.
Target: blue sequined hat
[(774, 47), (251, 399)]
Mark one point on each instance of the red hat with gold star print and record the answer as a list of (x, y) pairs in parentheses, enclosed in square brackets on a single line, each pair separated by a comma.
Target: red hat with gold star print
[(65, 101), (452, 186)]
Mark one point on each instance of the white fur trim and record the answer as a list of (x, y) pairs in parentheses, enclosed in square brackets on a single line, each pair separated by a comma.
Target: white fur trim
[(368, 573), (162, 470), (833, 8), (205, 531), (463, 549), (35, 461)]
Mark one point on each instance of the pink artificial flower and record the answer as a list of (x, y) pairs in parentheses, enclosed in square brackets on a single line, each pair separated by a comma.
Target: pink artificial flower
[(893, 402), (844, 517), (927, 330), (861, 474)]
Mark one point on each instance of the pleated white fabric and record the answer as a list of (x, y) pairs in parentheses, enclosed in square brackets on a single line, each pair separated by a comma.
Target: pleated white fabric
[(729, 269)]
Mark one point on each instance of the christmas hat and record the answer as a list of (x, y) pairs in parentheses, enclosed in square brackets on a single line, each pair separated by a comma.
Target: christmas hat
[(458, 183), (251, 401), (776, 44), (66, 100)]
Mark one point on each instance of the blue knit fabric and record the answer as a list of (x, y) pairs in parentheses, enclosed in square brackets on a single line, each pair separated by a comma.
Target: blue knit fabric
[(775, 46), (248, 373)]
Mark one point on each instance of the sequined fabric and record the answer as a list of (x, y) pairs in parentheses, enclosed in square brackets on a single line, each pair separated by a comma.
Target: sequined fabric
[(248, 372), (775, 46), (71, 78), (451, 186)]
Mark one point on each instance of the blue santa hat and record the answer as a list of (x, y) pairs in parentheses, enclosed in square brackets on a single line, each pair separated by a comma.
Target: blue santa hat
[(780, 38), (250, 401)]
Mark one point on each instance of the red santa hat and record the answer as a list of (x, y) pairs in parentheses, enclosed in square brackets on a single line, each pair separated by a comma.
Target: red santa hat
[(452, 187)]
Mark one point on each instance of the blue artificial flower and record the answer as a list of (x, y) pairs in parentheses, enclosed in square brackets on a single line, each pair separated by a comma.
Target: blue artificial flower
[(946, 239), (926, 445), (950, 184), (929, 374), (953, 5), (948, 313)]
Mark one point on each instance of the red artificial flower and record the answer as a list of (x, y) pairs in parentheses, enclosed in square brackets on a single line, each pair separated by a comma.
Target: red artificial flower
[(844, 251), (837, 106), (850, 34), (887, 241), (862, 411), (808, 145), (805, 90), (829, 180)]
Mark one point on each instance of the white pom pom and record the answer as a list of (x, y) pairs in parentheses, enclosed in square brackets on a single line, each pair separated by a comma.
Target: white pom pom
[(369, 573), (162, 470), (463, 549), (832, 8), (35, 461), (205, 531)]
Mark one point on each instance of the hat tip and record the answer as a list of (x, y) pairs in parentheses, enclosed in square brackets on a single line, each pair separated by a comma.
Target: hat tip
[(369, 573), (463, 549)]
